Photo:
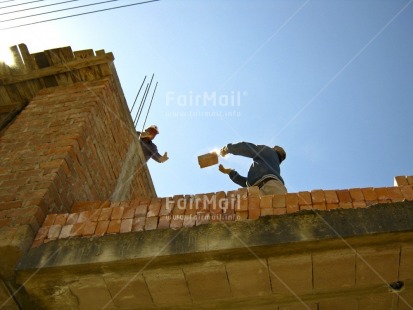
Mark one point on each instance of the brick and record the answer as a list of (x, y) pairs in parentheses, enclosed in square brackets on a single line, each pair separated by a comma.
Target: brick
[(319, 206), (304, 198), (254, 202), (164, 221), (266, 201), (105, 214), (242, 196), (254, 213), (382, 194), (201, 218), (54, 232), (331, 206), (65, 232), (83, 217), (154, 207), (77, 229), (61, 219), (179, 204), (410, 179), (166, 206), (138, 223), (280, 211), (291, 209), (151, 223), (369, 194), (343, 196), (102, 227), (176, 222), (232, 200), (407, 192), (49, 220), (37, 243), (278, 201), (253, 191), (72, 218), (89, 228), (291, 200), (400, 181), (395, 194), (117, 213), (126, 225), (114, 226), (10, 205), (42, 233), (359, 204), (331, 196), (345, 205), (317, 196), (356, 194), (267, 211), (129, 212)]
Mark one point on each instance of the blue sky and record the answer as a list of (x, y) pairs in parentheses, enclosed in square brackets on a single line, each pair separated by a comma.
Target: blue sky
[(330, 81)]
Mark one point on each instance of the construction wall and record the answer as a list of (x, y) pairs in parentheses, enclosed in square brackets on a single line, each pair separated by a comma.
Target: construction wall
[(72, 139)]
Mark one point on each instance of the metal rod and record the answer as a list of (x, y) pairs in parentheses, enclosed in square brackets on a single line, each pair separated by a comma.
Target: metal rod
[(153, 94), (144, 101), (138, 94), (135, 121)]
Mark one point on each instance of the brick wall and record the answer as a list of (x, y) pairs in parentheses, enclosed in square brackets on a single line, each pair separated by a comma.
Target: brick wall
[(70, 144), (99, 218)]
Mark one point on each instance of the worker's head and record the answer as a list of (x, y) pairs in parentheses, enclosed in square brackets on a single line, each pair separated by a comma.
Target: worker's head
[(281, 153), (152, 131)]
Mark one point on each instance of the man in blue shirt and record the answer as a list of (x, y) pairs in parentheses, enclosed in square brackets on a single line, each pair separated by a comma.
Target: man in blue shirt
[(264, 171), (150, 150)]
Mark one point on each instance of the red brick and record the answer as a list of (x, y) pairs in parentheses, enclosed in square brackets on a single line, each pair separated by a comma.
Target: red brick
[(291, 200), (154, 207), (10, 205), (83, 217), (317, 196), (291, 209), (356, 194), (400, 181), (330, 196), (279, 211), (254, 213), (241, 215), (102, 227), (382, 194), (117, 213), (320, 206), (345, 205), (266, 202), (72, 218), (105, 214), (220, 202), (304, 198), (359, 204), (407, 192), (232, 199), (395, 194), (89, 228), (129, 212), (369, 194), (65, 232), (49, 220), (166, 206), (201, 218), (114, 226), (138, 223), (253, 191), (331, 206), (151, 223), (54, 232), (176, 222), (266, 211), (77, 229), (306, 207), (42, 233), (343, 196), (37, 243), (126, 225), (164, 221), (278, 201), (254, 202), (410, 179), (61, 219), (242, 196)]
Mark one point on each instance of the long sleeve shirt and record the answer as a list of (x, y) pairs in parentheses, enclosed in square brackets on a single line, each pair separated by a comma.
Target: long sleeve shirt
[(266, 163)]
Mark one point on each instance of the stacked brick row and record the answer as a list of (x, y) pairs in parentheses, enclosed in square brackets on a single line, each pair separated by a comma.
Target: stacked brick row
[(67, 145), (101, 218)]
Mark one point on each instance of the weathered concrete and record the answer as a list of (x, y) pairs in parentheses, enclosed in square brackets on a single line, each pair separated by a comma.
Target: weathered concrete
[(292, 261)]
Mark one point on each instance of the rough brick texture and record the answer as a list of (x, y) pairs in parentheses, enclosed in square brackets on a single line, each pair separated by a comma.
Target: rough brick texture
[(189, 211)]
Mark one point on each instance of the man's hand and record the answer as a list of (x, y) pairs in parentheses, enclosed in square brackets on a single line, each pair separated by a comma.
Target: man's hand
[(224, 170), (164, 158), (223, 151), (144, 135)]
